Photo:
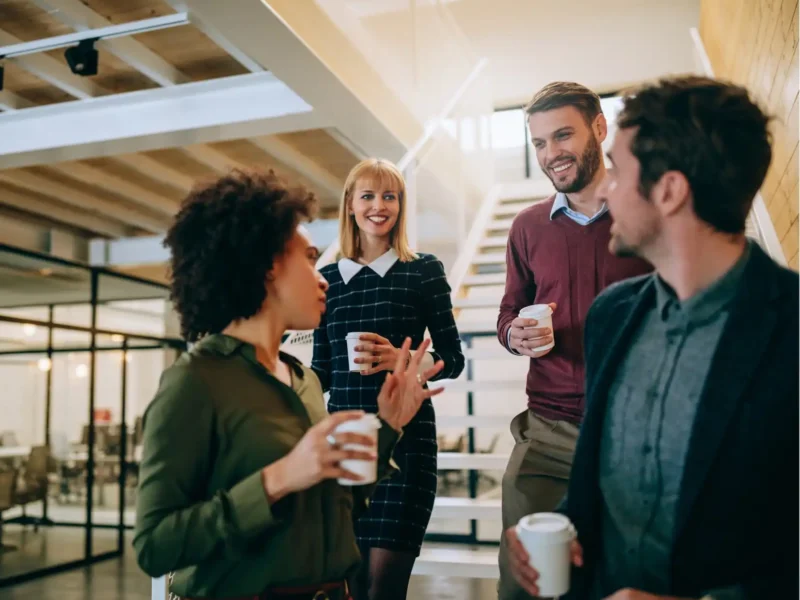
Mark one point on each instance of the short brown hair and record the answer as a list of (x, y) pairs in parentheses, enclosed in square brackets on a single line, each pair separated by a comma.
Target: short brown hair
[(566, 93), (224, 241), (711, 131)]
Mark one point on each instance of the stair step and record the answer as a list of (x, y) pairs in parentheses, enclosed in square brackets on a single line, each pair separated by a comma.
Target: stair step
[(482, 385), (495, 241), (500, 225), (475, 327), (458, 562), (457, 461), (488, 302), (487, 354), (466, 508), (490, 258), (485, 279), (474, 421), (512, 209)]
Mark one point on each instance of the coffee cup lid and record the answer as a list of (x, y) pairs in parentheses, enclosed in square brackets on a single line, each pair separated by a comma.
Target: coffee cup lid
[(355, 334), (368, 422), (549, 527), (536, 311)]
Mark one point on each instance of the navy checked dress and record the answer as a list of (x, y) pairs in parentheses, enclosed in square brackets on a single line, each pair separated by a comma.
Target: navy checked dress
[(395, 300)]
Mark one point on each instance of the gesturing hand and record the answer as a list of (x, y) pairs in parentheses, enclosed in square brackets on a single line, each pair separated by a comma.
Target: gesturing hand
[(384, 354), (314, 458), (403, 392), (524, 336)]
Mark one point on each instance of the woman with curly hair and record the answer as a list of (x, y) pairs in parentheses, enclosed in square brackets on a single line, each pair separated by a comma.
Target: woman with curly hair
[(386, 292), (238, 493)]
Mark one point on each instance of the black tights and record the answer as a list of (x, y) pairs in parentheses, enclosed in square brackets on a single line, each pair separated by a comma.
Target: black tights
[(383, 575)]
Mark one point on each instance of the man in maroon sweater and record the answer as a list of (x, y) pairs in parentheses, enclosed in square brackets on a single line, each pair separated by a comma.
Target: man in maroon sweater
[(558, 255)]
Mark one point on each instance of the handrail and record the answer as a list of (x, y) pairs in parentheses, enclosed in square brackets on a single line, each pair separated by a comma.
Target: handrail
[(460, 268), (759, 211), (330, 252), (438, 121)]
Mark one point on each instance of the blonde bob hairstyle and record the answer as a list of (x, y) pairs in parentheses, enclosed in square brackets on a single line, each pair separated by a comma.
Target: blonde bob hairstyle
[(382, 175)]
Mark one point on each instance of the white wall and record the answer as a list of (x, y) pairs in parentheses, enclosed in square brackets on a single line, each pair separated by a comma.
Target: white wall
[(603, 45)]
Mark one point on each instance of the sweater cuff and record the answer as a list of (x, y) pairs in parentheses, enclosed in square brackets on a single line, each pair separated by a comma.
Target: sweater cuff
[(250, 507), (508, 342)]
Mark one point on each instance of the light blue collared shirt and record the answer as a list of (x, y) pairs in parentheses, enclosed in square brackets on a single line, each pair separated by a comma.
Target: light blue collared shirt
[(561, 204)]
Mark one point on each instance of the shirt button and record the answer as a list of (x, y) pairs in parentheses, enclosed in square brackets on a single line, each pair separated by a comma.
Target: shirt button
[(647, 449)]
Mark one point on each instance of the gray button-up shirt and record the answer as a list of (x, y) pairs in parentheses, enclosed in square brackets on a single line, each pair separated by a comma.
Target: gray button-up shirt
[(651, 408)]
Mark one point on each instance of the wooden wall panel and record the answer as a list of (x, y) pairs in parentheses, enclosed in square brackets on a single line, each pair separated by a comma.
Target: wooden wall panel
[(754, 43)]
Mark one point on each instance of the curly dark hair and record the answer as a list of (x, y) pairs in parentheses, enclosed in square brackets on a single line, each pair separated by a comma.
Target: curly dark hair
[(224, 241), (709, 130)]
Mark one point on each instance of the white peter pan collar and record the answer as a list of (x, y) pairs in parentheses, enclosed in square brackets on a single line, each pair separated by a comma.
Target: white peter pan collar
[(381, 265)]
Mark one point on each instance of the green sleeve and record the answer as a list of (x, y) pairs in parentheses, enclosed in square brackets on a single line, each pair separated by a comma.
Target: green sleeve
[(387, 440), (177, 524)]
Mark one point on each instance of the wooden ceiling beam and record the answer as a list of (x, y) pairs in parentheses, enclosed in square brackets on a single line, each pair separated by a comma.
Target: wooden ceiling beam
[(84, 201), (80, 17), (62, 214), (132, 192), (150, 167), (305, 166), (214, 159), (10, 101)]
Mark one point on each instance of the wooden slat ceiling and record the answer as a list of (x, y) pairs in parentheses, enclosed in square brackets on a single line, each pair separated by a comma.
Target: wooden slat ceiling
[(137, 194)]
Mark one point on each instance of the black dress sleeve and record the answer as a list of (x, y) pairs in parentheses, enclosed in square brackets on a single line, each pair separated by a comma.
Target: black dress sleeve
[(437, 309)]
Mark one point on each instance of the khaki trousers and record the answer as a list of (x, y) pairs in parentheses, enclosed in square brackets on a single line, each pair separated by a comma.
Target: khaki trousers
[(535, 479)]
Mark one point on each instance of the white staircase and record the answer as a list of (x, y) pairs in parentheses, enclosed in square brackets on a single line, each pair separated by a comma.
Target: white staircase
[(495, 391)]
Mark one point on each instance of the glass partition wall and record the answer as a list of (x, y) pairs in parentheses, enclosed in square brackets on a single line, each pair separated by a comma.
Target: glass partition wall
[(81, 353)]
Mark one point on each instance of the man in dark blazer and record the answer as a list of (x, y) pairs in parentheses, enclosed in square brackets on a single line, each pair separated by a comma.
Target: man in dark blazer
[(685, 479)]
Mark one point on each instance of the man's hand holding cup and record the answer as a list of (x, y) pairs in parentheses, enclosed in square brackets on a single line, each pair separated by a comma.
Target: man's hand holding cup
[(531, 336)]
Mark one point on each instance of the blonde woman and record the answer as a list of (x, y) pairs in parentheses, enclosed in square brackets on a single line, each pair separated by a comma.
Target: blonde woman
[(384, 289)]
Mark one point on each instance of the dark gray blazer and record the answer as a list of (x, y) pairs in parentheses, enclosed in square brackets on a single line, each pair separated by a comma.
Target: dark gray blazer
[(737, 515)]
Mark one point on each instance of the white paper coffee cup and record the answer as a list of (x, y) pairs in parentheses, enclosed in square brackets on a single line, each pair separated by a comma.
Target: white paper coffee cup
[(544, 317), (547, 538), (367, 469), (353, 341)]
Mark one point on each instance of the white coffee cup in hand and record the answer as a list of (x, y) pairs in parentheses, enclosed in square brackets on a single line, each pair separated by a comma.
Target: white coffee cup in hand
[(548, 538), (352, 354), (531, 333), (367, 470)]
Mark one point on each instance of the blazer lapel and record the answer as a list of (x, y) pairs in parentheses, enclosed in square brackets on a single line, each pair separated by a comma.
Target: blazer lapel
[(618, 324), (744, 339)]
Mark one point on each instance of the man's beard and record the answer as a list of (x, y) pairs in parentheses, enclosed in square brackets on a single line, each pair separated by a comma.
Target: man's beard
[(586, 168), (618, 247)]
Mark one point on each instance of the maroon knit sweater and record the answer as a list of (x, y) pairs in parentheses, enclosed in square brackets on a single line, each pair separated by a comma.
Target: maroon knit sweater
[(563, 262)]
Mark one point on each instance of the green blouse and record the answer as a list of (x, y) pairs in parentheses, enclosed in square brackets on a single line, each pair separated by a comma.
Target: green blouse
[(218, 418)]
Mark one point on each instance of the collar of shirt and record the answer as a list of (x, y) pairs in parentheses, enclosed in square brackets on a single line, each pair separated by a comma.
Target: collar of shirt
[(381, 265), (562, 205), (221, 344), (707, 302)]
